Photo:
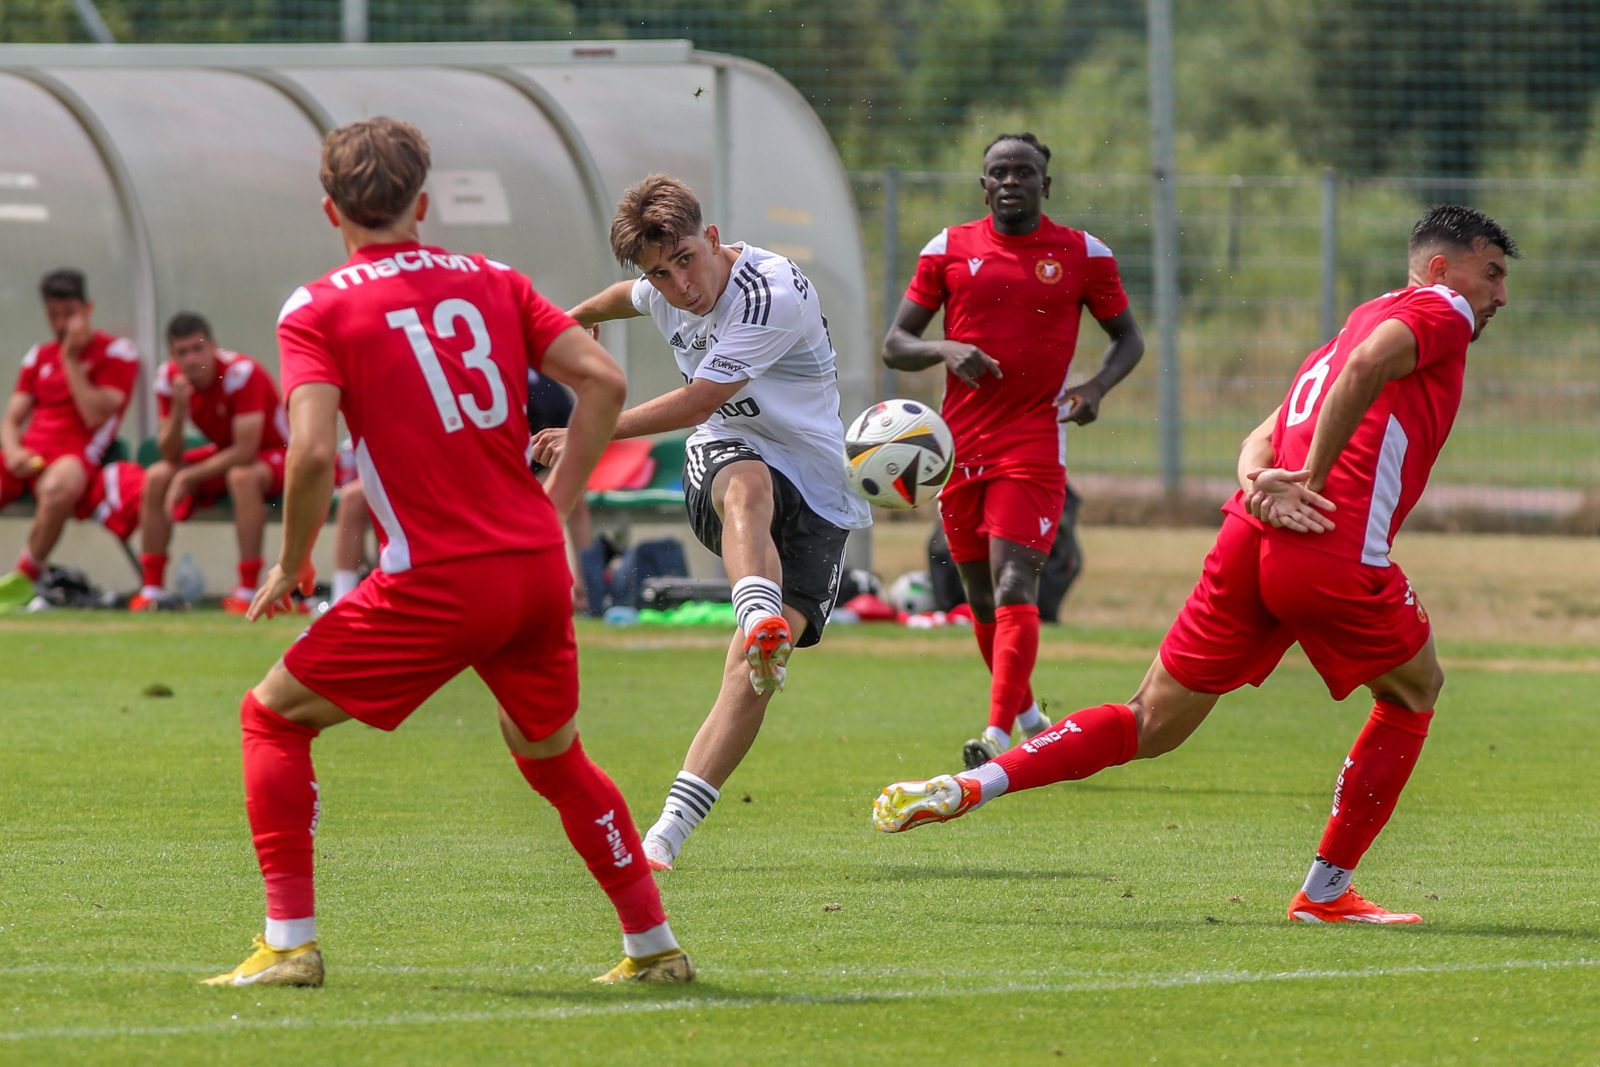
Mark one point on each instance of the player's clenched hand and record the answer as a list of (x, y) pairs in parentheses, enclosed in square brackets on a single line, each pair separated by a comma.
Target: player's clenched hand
[(177, 489), (272, 596), (967, 362), (23, 463), (547, 445), (76, 337), (1280, 497), (182, 392), (1081, 403)]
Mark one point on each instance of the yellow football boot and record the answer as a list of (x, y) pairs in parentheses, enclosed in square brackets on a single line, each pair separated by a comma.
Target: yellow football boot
[(301, 965), (670, 966)]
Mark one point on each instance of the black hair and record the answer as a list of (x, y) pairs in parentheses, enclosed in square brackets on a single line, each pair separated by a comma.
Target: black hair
[(187, 324), (1462, 227), (1025, 138), (63, 283)]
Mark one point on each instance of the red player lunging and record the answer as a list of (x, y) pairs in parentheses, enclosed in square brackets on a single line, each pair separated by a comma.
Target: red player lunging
[(1013, 285), (1326, 482), (425, 353)]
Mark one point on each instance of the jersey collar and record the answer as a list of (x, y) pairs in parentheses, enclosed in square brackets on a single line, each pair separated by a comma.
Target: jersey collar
[(1045, 225), (730, 292)]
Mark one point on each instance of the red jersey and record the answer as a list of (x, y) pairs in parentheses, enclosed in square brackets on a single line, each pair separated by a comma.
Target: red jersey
[(56, 428), (1381, 473), (242, 387), (1019, 299), (431, 352)]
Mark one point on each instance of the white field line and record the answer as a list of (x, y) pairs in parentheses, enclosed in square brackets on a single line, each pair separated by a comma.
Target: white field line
[(1101, 985)]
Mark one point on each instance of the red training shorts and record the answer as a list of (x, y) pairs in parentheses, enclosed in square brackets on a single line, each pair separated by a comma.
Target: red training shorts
[(113, 498), (385, 648), (12, 487), (1019, 506), (212, 490), (1259, 595)]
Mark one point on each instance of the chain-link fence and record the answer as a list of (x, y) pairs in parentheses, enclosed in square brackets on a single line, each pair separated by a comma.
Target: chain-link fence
[(1403, 102)]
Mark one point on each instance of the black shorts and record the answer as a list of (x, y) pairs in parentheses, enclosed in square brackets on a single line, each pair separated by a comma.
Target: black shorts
[(810, 547)]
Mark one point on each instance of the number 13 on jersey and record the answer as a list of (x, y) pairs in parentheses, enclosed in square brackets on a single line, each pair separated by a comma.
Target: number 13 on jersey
[(451, 404)]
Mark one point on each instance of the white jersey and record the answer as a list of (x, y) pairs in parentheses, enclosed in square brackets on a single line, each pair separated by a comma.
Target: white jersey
[(768, 329)]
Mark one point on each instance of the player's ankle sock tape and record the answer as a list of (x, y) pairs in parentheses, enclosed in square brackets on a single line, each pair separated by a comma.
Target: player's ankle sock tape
[(344, 583), (649, 942), (283, 804), (1016, 649), (992, 779), (1326, 882), (756, 598), (155, 570), (688, 801), (1084, 743), (1369, 785), (1032, 717), (598, 824), (291, 933)]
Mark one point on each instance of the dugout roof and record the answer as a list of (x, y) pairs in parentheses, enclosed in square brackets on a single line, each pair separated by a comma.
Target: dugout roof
[(184, 177)]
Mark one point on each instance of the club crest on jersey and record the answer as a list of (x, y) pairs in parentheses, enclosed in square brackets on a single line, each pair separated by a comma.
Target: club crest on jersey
[(1048, 271), (974, 263)]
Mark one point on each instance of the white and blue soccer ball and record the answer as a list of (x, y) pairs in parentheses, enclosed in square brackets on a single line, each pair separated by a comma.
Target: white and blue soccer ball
[(899, 454)]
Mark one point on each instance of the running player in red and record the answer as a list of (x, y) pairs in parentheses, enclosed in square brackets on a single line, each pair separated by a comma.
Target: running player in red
[(1013, 286), (233, 401), (70, 396), (1325, 484), (425, 353)]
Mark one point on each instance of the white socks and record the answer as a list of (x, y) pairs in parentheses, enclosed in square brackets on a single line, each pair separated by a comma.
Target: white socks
[(344, 582), (1033, 718), (656, 939), (688, 801), (1325, 882), (992, 777), (755, 598), (292, 933), (151, 591), (998, 736)]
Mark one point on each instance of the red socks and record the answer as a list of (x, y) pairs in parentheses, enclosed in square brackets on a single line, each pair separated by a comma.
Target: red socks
[(280, 796), (1014, 640), (1369, 786), (600, 827), (155, 569), (29, 566), (249, 573), (1084, 743)]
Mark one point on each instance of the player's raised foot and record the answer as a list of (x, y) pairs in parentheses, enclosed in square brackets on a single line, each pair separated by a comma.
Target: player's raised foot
[(905, 805), (301, 965), (1351, 907), (657, 853), (980, 750), (767, 650), (158, 600), (672, 965)]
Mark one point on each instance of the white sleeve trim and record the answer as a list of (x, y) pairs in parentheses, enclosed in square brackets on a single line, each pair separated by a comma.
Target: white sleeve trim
[(163, 386), (1097, 248), (32, 357), (236, 375), (937, 246), (1457, 301), (297, 300), (123, 349), (495, 263)]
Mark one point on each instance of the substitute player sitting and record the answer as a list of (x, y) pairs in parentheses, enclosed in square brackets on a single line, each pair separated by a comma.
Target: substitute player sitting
[(425, 353), (764, 470), (70, 396), (233, 401), (1013, 286), (1325, 483)]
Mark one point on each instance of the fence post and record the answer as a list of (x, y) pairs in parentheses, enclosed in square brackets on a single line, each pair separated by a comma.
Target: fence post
[(1330, 254), (1165, 241), (889, 382), (354, 20), (93, 24)]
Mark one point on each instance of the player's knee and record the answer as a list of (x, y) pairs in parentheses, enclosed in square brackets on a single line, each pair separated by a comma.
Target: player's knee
[(748, 485), (158, 476), (243, 481), (61, 485)]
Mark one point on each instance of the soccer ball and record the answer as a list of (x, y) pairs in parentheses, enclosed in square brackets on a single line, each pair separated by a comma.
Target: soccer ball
[(899, 454), (913, 593)]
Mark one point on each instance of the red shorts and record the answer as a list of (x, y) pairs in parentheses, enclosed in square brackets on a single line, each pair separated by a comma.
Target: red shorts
[(388, 646), (12, 487), (113, 498), (1019, 506), (1259, 595), (212, 490)]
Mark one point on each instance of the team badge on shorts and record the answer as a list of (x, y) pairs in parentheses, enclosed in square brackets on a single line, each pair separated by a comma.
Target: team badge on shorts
[(1048, 271)]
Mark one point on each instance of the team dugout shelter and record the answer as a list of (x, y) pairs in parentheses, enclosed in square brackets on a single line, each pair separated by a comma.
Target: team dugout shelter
[(184, 177)]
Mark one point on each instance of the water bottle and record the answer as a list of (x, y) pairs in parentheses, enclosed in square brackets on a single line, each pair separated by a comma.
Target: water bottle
[(189, 581)]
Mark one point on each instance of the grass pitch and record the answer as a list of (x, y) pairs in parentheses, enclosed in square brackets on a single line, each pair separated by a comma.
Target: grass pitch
[(1134, 918)]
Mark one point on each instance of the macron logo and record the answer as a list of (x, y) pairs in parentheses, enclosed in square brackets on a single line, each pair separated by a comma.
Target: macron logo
[(390, 266), (1044, 527), (974, 263)]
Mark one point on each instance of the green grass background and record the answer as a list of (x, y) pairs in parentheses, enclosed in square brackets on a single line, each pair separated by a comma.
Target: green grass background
[(1134, 918)]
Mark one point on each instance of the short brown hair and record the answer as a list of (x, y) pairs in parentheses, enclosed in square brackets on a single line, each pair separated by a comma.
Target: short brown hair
[(373, 169), (63, 283), (658, 211)]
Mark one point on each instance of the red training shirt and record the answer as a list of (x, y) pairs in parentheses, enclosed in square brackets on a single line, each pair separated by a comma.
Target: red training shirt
[(1019, 300), (1381, 473), (431, 351), (55, 427), (242, 387)]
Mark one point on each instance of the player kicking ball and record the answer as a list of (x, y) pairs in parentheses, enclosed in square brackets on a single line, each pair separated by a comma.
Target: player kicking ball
[(764, 471), (1303, 555), (425, 353)]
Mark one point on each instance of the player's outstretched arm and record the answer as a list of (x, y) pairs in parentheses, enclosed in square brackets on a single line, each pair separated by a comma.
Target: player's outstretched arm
[(904, 348), (612, 302), (1081, 403), (307, 492), (677, 410), (1388, 353), (577, 361)]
